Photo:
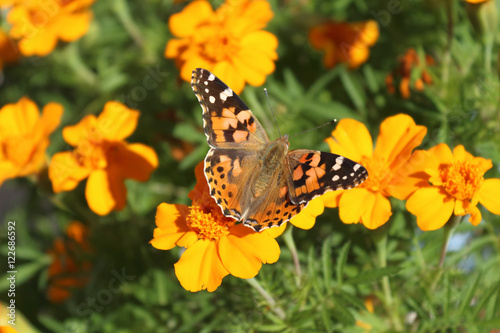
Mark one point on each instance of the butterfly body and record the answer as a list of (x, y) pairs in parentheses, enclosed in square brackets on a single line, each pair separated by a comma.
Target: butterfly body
[(255, 180)]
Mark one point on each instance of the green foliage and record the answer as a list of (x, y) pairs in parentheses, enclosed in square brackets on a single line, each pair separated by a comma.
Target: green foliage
[(339, 265)]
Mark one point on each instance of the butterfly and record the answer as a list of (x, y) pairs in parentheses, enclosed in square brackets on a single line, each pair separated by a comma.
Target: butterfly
[(255, 180)]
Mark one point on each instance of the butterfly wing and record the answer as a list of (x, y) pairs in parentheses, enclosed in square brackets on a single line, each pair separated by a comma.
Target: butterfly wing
[(312, 173), (228, 122)]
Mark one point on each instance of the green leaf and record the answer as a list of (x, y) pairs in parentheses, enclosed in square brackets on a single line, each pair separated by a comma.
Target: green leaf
[(373, 275), (468, 294), (320, 84), (354, 91), (24, 272), (341, 261), (326, 261), (343, 315)]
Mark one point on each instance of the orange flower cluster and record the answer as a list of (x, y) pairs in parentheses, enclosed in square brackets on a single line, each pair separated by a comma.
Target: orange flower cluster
[(368, 203), (437, 183), (342, 42), (215, 245), (70, 265), (229, 42), (407, 63), (38, 24), (102, 155), (24, 137)]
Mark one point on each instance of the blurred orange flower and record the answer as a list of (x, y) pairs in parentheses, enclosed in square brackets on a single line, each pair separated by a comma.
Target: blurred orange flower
[(368, 203), (102, 155), (228, 42), (215, 245), (8, 50), (70, 265), (24, 137), (38, 25), (476, 1), (407, 63), (7, 329), (344, 42), (446, 183)]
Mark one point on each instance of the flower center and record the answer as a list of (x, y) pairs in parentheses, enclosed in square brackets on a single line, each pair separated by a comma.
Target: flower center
[(217, 43), (378, 173), (461, 179), (206, 219), (91, 151)]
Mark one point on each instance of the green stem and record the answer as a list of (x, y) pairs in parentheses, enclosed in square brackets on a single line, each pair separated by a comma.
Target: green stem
[(391, 306), (449, 37), (269, 299), (123, 12), (75, 62), (488, 51), (290, 243), (449, 229)]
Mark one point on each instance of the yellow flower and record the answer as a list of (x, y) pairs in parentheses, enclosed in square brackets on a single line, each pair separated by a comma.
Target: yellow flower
[(70, 266), (447, 183), (228, 42), (102, 155), (8, 50), (215, 245), (40, 24), (24, 137), (368, 203), (7, 329), (344, 42)]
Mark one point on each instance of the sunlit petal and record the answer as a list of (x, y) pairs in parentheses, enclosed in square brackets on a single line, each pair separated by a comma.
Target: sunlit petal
[(432, 207)]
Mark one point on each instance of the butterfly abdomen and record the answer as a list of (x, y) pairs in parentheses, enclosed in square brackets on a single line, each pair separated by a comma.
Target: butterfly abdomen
[(272, 162)]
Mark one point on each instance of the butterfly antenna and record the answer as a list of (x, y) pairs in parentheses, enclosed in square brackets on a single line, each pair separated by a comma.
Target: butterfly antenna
[(315, 128), (274, 116)]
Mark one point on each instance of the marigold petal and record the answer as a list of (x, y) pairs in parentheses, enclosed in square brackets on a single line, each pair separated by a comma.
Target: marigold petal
[(275, 232), (411, 176), (171, 225), (75, 25), (351, 139), (307, 216), (331, 199), (40, 43), (65, 172), (51, 117), (105, 192), (488, 195), (440, 154), (229, 74), (17, 119), (475, 215), (397, 138), (117, 122), (200, 267), (175, 47), (74, 133), (135, 161), (243, 251), (432, 207), (185, 23), (379, 213), (354, 204)]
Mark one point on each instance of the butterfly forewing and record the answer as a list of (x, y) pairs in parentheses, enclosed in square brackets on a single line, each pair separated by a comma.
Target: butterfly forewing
[(227, 120), (312, 173)]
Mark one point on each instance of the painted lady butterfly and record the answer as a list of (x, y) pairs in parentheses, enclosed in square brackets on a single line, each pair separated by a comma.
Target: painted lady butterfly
[(254, 180)]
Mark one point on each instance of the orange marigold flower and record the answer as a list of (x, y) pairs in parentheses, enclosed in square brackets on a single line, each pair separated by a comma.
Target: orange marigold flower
[(24, 137), (215, 245), (476, 1), (446, 183), (344, 42), (40, 24), (70, 265), (102, 155), (407, 64), (368, 203), (8, 50), (228, 42)]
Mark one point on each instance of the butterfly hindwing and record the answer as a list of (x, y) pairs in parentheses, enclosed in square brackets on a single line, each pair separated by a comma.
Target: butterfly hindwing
[(226, 178), (312, 173), (228, 122)]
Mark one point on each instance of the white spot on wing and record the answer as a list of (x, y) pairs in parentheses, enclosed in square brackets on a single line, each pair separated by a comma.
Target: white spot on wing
[(206, 83), (211, 77), (211, 99), (356, 167), (336, 167), (228, 92), (335, 178), (223, 96), (206, 90)]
